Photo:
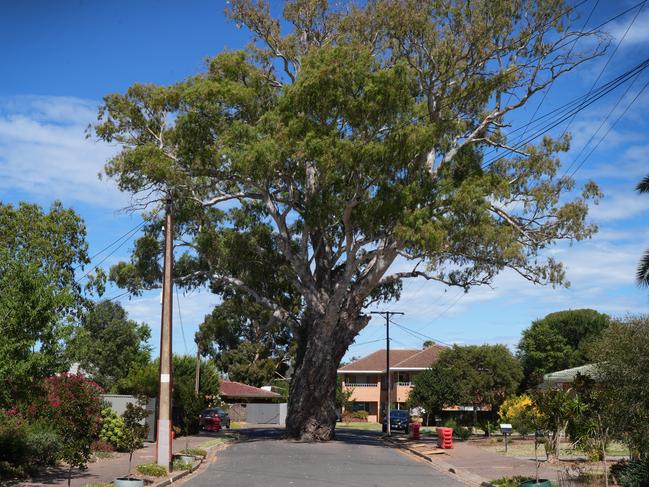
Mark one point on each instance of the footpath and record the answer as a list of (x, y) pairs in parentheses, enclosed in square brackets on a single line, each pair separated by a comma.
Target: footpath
[(104, 470), (471, 464)]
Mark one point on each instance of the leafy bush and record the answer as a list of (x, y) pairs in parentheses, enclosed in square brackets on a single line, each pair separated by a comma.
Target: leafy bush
[(631, 474), (112, 429), (180, 465), (360, 414), (44, 444), (14, 451), (509, 481), (135, 427), (196, 452), (24, 447), (152, 470), (461, 432)]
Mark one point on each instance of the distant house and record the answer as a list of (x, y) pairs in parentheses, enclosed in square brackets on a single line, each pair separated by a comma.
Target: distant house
[(366, 377), (237, 392), (562, 379)]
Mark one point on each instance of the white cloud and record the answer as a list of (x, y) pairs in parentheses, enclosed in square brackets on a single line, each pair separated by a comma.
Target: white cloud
[(638, 33), (44, 153)]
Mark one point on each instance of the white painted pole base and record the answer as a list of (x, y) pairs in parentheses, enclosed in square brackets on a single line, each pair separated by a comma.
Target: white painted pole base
[(163, 443)]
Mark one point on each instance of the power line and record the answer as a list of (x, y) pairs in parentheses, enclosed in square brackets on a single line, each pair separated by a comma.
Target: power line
[(127, 234), (610, 58), (180, 318), (611, 127), (419, 335)]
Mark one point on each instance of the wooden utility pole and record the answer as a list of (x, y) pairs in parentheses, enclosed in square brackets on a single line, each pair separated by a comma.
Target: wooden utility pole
[(387, 315), (163, 438), (197, 378)]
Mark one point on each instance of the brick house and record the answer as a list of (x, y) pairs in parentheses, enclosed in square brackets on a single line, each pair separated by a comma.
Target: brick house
[(366, 377)]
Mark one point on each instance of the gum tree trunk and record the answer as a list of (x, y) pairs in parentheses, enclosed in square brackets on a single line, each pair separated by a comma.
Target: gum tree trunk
[(311, 414)]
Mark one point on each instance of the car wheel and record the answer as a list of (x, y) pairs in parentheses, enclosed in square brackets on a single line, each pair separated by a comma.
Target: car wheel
[(384, 428), (406, 430)]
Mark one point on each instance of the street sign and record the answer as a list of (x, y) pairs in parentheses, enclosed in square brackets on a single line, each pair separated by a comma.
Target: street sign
[(506, 428)]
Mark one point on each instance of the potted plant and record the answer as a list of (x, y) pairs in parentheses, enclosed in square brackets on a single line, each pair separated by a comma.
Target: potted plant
[(135, 430)]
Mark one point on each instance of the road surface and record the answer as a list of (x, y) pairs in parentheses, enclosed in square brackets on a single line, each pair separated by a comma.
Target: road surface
[(356, 459)]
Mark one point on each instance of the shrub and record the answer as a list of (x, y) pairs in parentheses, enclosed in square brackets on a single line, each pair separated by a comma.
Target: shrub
[(135, 428), (112, 429), (520, 412), (196, 452), (631, 474), (360, 415), (14, 451), (509, 481), (152, 470), (180, 465), (44, 444)]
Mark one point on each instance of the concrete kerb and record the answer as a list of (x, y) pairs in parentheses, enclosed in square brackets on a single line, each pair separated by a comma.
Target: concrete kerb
[(440, 465), (211, 453)]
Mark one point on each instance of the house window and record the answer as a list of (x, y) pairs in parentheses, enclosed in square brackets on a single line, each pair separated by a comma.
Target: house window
[(361, 406), (403, 377)]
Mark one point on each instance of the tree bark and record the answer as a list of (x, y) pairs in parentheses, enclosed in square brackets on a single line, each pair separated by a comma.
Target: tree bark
[(311, 412)]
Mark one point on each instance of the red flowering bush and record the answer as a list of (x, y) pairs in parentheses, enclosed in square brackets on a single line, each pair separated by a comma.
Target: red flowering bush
[(73, 405)]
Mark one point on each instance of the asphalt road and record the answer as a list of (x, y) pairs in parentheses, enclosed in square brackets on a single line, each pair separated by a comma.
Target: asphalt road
[(356, 458)]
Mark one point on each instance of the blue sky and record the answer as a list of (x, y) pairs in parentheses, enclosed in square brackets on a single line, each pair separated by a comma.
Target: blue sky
[(60, 57)]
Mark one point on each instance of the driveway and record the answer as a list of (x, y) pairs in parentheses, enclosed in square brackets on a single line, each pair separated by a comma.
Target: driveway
[(357, 458)]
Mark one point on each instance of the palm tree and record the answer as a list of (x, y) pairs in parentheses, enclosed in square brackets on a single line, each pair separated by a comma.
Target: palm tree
[(642, 274)]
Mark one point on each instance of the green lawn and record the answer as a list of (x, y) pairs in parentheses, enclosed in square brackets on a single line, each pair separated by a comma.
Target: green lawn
[(525, 448), (360, 426)]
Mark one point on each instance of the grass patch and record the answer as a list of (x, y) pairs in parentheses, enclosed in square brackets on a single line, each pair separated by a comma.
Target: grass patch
[(360, 426), (180, 465), (221, 440), (151, 470), (510, 481), (101, 484), (235, 425), (195, 452), (102, 455)]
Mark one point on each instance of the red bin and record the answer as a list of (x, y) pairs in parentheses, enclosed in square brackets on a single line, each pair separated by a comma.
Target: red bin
[(213, 423), (414, 431), (445, 438)]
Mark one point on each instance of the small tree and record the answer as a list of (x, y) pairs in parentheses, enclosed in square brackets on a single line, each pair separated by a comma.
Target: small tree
[(593, 427), (74, 407), (135, 428), (343, 396), (433, 389), (556, 407)]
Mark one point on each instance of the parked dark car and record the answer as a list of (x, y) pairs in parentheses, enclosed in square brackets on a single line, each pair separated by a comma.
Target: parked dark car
[(211, 412), (399, 419)]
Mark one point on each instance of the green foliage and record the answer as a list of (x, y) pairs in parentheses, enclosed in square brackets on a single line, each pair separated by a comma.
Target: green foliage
[(74, 408), (25, 447), (112, 429), (135, 427), (196, 452), (152, 470), (180, 465), (559, 341), (343, 395), (361, 156), (621, 374), (108, 345), (39, 254), (631, 474), (514, 481), (483, 375), (556, 409), (434, 389), (360, 415)]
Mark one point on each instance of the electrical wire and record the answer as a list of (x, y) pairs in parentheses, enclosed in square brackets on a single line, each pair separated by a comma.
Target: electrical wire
[(180, 318)]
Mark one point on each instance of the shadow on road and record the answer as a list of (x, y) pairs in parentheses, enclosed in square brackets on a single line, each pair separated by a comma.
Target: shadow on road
[(347, 436)]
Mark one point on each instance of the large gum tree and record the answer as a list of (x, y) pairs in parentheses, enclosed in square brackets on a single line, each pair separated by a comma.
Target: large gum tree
[(343, 143)]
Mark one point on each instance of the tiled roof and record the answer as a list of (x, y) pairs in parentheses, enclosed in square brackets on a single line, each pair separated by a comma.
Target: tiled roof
[(421, 360), (399, 358), (237, 389)]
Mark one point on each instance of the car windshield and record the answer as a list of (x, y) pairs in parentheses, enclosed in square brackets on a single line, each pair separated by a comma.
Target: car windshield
[(398, 413)]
